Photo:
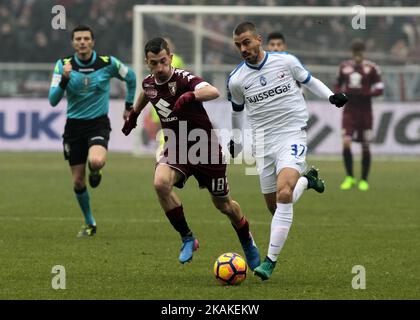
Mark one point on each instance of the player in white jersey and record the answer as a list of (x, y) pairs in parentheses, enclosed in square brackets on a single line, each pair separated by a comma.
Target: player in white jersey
[(264, 85)]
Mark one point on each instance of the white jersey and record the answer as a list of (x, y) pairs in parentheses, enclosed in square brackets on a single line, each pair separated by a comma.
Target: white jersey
[(273, 101)]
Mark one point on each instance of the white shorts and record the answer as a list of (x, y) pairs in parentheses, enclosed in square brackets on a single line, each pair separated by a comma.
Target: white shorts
[(290, 152)]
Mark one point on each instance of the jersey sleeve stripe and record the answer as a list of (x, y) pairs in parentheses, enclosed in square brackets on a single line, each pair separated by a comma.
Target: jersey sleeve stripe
[(201, 85), (237, 107), (307, 78)]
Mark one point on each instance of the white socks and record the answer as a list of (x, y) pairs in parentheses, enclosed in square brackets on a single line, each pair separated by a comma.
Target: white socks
[(301, 185), (282, 220), (280, 226)]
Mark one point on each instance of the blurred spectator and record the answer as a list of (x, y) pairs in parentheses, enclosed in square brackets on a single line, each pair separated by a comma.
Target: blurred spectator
[(7, 41), (400, 49), (25, 29)]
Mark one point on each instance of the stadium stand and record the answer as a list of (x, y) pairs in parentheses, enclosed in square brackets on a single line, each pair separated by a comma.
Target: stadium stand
[(25, 22)]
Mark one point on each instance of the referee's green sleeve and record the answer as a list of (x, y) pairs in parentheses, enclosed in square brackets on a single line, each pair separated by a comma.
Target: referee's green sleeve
[(58, 84), (125, 73)]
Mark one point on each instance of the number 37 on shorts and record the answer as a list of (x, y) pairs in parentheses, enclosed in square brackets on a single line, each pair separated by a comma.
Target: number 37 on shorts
[(298, 150)]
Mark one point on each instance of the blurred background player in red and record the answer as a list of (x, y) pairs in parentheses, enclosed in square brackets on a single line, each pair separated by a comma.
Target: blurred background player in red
[(361, 80)]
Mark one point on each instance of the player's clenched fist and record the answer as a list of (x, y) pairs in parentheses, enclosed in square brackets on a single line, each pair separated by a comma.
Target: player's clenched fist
[(66, 70), (339, 99), (130, 123), (186, 98)]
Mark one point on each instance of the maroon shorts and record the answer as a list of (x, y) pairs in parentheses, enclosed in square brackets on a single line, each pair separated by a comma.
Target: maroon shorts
[(357, 124), (210, 176)]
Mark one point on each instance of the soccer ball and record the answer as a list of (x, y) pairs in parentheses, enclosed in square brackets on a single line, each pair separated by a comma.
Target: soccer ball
[(230, 269)]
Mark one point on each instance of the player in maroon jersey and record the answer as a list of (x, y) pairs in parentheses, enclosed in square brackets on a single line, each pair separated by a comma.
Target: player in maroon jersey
[(362, 81), (177, 97)]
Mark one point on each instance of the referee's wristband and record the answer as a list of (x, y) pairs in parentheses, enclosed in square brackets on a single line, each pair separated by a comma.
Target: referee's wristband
[(63, 82), (128, 106)]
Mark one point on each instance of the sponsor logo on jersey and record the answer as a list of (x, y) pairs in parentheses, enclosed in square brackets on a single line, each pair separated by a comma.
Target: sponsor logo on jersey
[(67, 60), (86, 70), (169, 119), (263, 81), (151, 92), (172, 87), (355, 80), (163, 109), (269, 93), (248, 86), (104, 58), (281, 75)]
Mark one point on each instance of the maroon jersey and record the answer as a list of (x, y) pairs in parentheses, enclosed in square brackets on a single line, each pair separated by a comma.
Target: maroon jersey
[(360, 82), (185, 129), (182, 123)]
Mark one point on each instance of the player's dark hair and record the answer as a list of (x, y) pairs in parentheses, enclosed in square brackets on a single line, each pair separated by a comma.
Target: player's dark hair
[(244, 27), (275, 36), (358, 45), (82, 28), (156, 45)]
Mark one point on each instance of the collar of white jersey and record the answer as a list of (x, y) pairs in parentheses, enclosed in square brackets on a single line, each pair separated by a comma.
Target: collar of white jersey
[(160, 83), (258, 66)]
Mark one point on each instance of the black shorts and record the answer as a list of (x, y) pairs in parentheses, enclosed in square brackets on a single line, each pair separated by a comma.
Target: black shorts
[(79, 135)]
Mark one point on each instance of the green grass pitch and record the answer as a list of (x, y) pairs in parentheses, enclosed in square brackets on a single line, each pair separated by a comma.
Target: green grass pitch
[(135, 253)]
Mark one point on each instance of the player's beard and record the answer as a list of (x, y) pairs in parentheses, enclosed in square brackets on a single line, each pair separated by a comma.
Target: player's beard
[(253, 58), (164, 76)]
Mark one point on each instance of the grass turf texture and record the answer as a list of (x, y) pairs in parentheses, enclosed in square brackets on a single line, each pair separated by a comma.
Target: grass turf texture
[(135, 253)]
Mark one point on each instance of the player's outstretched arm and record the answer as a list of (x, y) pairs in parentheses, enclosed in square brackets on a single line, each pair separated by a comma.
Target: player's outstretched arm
[(235, 143), (131, 121), (203, 93), (236, 97), (318, 88), (206, 93), (60, 79)]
